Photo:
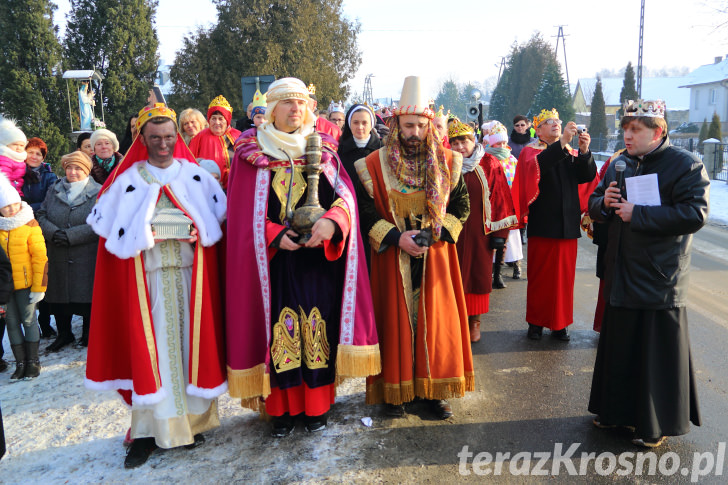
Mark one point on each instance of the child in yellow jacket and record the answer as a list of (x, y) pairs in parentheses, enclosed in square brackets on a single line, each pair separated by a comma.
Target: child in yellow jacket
[(22, 240)]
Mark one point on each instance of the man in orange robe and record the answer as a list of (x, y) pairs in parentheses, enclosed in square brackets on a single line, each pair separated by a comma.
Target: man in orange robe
[(412, 204)]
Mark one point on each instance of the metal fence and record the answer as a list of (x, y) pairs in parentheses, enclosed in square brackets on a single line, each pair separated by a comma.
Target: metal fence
[(717, 165)]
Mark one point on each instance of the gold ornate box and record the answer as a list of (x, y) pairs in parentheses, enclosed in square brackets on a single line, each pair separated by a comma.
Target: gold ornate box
[(171, 223)]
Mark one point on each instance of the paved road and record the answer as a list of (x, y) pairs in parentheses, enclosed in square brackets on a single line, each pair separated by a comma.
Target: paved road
[(531, 396)]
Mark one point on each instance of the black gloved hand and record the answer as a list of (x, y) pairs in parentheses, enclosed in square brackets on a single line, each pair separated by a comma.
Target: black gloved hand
[(60, 238), (497, 242)]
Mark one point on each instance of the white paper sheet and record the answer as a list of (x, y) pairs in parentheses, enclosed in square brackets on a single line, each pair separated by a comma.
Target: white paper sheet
[(643, 189)]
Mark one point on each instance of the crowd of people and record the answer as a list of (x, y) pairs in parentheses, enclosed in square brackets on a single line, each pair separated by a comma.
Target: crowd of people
[(272, 262)]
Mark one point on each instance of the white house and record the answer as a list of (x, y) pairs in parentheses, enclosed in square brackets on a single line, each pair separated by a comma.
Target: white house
[(708, 86)]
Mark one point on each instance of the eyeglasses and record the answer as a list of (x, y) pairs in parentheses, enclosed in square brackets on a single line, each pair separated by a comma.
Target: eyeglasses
[(552, 121)]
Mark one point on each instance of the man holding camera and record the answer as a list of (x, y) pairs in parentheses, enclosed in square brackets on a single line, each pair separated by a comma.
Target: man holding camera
[(413, 203), (546, 194)]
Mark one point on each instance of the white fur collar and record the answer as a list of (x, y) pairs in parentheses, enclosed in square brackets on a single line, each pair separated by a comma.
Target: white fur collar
[(124, 212), (21, 218), (12, 154)]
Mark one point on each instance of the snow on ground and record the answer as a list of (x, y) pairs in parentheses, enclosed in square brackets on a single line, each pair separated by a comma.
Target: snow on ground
[(718, 202), (57, 431)]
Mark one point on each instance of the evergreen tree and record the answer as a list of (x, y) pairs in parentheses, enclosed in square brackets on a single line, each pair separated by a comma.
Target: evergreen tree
[(714, 128), (118, 39), (521, 79), (307, 39), (629, 90), (449, 98), (703, 135), (598, 119), (30, 84), (553, 93)]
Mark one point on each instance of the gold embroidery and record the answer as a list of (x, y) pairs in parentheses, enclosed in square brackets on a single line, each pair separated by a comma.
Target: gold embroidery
[(286, 347), (364, 176), (378, 232), (280, 183), (453, 226), (407, 205), (342, 205), (315, 342), (456, 169)]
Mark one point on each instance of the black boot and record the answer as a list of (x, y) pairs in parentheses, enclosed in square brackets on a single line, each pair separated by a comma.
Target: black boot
[(19, 353), (497, 278), (282, 426), (83, 341), (32, 363), (61, 341), (139, 452), (44, 321), (315, 423), (516, 270)]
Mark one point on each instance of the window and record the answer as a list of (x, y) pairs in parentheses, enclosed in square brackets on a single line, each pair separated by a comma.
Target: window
[(711, 97), (697, 99)]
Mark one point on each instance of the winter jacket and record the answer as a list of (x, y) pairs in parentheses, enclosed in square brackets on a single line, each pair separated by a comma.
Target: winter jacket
[(6, 279), (350, 153), (14, 171), (70, 268), (648, 259), (34, 193), (22, 240), (97, 171)]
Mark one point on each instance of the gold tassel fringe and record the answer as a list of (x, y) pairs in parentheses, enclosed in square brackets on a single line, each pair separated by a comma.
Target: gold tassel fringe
[(248, 383), (405, 205), (358, 361)]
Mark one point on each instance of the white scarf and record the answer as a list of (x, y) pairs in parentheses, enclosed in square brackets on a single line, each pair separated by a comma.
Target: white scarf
[(74, 189), (24, 216), (473, 160), (12, 154), (362, 143)]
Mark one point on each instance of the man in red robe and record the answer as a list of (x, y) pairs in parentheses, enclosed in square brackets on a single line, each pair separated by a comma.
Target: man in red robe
[(217, 142), (307, 318), (546, 191), (156, 320)]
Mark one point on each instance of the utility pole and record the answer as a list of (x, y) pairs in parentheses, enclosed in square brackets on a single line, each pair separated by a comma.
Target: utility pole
[(561, 36), (501, 68), (368, 95), (639, 57)]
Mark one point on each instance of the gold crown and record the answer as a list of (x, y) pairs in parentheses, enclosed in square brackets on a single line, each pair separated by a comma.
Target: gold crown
[(441, 112), (259, 99), (545, 115), (652, 109), (458, 128), (311, 89), (221, 102), (159, 110)]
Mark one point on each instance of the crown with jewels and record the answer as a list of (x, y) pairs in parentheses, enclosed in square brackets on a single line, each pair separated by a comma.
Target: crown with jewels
[(158, 110), (545, 115), (458, 128), (652, 109), (441, 112), (336, 107), (311, 88), (221, 102)]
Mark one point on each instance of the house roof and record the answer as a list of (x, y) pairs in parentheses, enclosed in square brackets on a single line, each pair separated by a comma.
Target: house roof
[(666, 88), (707, 74)]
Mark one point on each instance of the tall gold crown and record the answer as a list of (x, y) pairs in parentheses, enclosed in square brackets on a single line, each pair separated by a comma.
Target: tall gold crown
[(311, 89), (159, 110), (458, 128), (221, 102), (545, 115), (441, 112)]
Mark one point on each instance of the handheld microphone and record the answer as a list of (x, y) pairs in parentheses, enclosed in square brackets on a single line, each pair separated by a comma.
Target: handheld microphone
[(620, 166)]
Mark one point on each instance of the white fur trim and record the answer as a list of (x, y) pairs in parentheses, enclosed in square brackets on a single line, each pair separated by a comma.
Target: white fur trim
[(123, 215), (148, 399), (114, 385), (207, 393)]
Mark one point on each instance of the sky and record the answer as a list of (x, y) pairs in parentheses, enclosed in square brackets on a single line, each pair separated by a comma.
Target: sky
[(466, 43)]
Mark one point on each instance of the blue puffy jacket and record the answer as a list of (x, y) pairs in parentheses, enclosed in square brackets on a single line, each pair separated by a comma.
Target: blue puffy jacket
[(34, 193)]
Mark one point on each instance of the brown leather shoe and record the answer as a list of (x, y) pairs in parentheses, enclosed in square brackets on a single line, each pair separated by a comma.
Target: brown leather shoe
[(474, 324)]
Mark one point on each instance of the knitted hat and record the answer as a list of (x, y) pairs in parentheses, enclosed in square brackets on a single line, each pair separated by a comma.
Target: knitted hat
[(209, 165), (104, 133), (495, 131), (9, 133), (8, 194), (79, 159)]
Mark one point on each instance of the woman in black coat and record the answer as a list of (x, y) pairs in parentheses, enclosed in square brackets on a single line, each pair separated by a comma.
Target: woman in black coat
[(71, 245), (358, 138)]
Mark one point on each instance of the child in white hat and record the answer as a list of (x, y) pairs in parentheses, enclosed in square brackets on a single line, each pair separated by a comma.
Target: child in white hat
[(12, 153), (22, 240)]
